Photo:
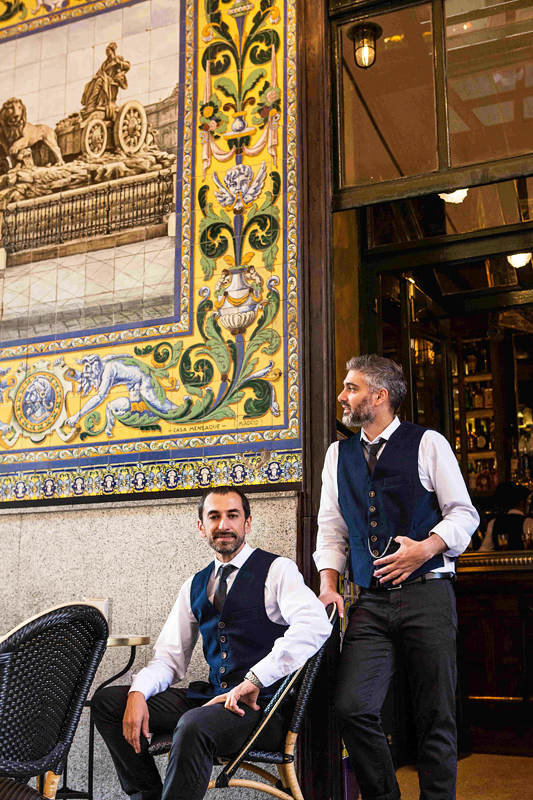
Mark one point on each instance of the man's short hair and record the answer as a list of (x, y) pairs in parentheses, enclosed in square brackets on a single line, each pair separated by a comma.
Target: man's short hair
[(381, 373), (223, 490)]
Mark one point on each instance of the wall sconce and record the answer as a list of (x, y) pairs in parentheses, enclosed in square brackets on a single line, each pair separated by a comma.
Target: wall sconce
[(364, 36), (519, 259)]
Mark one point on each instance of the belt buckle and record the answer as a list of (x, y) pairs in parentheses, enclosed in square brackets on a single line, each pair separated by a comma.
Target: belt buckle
[(393, 588)]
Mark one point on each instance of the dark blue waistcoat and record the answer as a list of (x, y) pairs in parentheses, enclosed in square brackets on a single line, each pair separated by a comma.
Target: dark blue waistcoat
[(390, 502), (242, 634)]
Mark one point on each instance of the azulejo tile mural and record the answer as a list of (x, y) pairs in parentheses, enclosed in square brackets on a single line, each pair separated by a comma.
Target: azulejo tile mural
[(150, 224)]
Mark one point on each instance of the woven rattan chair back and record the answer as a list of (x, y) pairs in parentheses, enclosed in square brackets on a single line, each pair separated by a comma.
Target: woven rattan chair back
[(296, 688), (47, 665)]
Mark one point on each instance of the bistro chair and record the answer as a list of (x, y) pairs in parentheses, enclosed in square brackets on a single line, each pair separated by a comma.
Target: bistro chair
[(296, 687), (47, 665)]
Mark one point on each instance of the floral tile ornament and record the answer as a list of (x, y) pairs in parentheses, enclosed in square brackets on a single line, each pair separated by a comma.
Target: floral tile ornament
[(211, 394)]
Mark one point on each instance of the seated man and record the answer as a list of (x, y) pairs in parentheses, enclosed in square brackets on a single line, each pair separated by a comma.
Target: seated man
[(269, 624)]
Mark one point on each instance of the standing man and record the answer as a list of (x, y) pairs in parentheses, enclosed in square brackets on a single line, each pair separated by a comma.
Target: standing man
[(394, 496), (259, 622)]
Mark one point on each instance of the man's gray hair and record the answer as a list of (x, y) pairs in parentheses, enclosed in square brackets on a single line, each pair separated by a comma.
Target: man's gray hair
[(381, 373)]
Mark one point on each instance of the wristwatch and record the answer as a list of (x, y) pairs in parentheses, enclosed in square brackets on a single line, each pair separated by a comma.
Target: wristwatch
[(250, 676)]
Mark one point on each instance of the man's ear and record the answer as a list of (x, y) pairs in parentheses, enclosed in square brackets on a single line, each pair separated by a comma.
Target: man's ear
[(201, 529), (248, 525), (383, 396)]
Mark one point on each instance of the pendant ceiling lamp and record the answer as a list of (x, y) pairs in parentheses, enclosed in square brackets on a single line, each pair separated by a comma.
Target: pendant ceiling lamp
[(364, 36)]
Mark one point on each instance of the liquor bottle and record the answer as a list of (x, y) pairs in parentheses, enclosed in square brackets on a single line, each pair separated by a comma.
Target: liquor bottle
[(457, 442), (482, 478), (471, 439), (522, 444), (468, 398), (493, 474), (471, 476), (488, 401), (481, 437), (477, 399)]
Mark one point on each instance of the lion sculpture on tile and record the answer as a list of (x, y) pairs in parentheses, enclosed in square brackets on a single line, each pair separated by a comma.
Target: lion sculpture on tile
[(18, 136)]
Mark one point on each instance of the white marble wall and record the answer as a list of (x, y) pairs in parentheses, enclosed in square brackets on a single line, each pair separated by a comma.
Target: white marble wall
[(138, 555)]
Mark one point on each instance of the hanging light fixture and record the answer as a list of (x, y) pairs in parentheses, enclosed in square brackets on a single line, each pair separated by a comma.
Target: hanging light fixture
[(364, 36), (519, 259), (454, 197)]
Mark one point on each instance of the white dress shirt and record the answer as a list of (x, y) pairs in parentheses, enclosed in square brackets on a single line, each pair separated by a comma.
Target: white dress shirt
[(438, 471), (288, 601)]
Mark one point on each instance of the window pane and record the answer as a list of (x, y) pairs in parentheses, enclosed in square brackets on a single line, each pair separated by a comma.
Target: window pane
[(491, 206), (388, 110), (490, 79)]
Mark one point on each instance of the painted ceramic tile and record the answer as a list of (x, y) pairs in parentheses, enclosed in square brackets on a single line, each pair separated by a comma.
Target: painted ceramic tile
[(150, 302)]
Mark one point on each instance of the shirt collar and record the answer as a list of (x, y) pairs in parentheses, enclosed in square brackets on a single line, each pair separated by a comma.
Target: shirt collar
[(386, 434), (237, 562)]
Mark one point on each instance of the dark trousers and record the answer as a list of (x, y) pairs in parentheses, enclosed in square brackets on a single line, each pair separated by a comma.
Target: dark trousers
[(201, 733), (417, 624)]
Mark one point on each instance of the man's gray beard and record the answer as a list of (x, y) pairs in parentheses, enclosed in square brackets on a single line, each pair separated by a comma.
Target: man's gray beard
[(358, 419)]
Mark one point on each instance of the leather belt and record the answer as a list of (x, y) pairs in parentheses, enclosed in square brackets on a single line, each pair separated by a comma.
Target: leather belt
[(375, 585)]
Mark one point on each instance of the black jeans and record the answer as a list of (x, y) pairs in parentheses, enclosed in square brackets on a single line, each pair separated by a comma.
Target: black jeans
[(417, 624), (200, 734)]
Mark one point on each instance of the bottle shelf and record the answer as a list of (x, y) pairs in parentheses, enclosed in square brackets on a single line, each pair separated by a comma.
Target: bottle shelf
[(473, 455), (480, 376), (478, 413)]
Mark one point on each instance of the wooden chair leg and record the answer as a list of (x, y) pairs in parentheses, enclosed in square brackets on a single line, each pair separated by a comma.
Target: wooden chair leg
[(283, 775), (259, 771), (50, 785), (262, 787), (293, 782)]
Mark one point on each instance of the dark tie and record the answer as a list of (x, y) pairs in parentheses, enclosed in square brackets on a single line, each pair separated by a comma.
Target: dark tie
[(372, 450), (222, 587)]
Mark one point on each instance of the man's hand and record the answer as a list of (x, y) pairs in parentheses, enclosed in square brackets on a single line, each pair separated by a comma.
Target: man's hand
[(246, 692), (329, 580), (136, 719), (411, 555)]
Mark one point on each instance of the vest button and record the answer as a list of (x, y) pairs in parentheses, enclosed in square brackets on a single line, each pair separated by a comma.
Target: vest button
[(372, 493), (372, 509), (223, 639), (221, 624), (222, 669), (373, 524), (223, 655), (373, 538), (223, 685), (375, 553)]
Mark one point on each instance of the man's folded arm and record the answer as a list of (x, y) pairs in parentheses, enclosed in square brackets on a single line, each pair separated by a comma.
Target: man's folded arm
[(306, 617)]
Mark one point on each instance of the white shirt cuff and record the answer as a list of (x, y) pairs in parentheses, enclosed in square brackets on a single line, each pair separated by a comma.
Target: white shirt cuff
[(143, 683), (330, 560)]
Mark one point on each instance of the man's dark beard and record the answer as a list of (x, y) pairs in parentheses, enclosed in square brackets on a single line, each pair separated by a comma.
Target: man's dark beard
[(358, 418), (226, 548)]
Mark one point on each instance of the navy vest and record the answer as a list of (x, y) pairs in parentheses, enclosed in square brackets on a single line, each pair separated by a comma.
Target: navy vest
[(391, 502), (242, 634)]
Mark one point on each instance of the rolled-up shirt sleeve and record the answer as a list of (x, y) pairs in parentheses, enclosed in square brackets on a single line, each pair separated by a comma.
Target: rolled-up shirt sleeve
[(439, 472), (333, 538), (173, 649), (289, 601)]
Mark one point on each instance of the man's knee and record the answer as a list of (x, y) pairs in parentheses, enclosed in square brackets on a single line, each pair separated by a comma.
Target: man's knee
[(350, 708)]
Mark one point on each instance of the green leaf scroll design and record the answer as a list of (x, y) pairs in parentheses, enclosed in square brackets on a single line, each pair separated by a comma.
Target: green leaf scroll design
[(214, 241)]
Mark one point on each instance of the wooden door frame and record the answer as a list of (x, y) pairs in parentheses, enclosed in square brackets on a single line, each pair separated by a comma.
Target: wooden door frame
[(320, 744)]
